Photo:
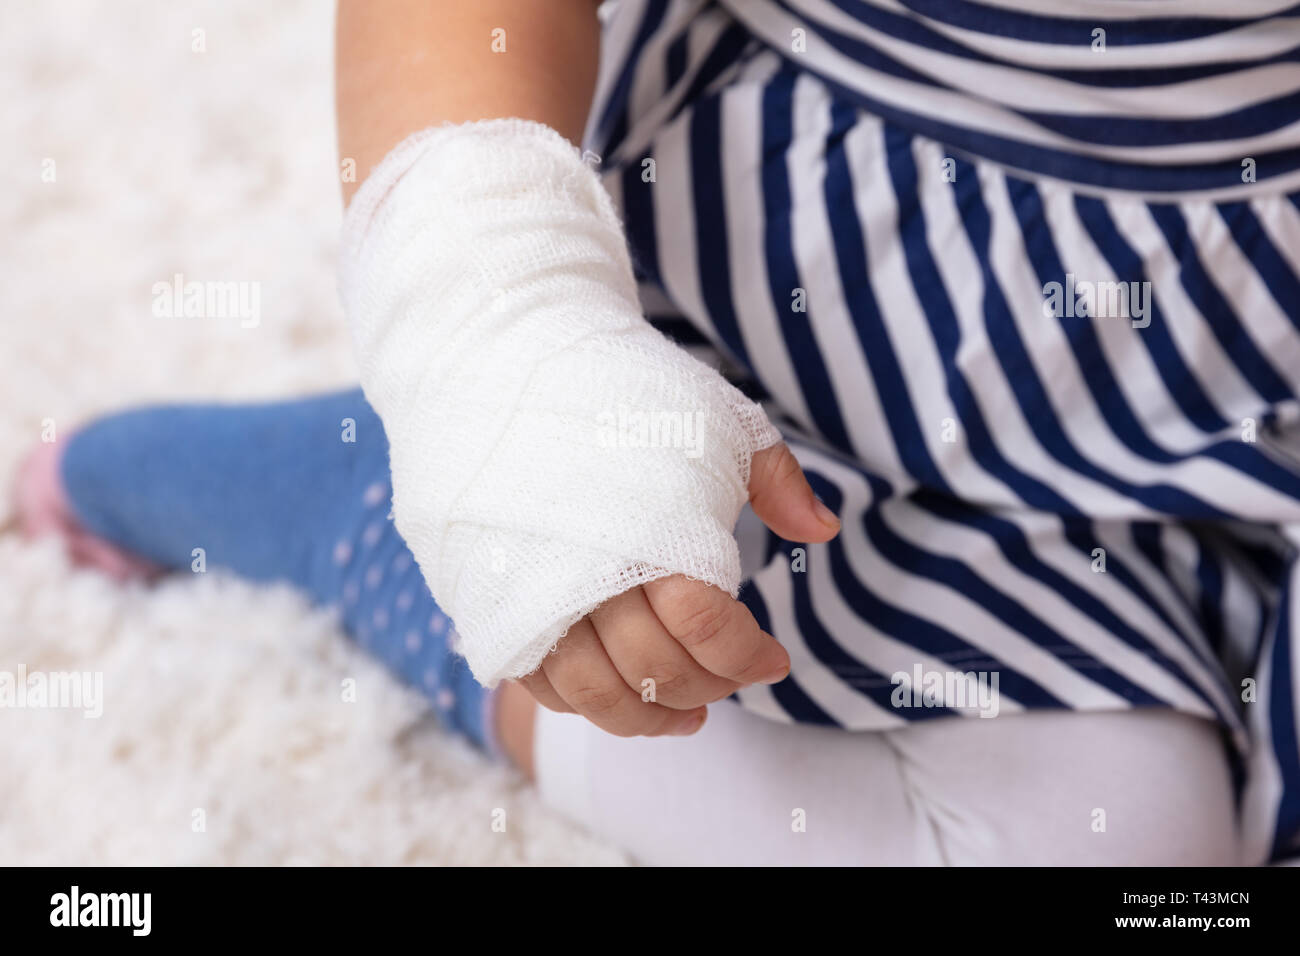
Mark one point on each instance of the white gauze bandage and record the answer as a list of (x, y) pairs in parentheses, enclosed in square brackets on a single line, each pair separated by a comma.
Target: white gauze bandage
[(549, 448)]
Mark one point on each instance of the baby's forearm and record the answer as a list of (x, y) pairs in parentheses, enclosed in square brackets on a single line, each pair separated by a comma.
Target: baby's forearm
[(403, 65)]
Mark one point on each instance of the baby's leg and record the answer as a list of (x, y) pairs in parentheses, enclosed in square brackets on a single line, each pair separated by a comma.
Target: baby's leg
[(1059, 787), (294, 491), (1044, 788)]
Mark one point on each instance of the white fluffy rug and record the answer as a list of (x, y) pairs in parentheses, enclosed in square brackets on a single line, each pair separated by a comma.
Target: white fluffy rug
[(218, 697)]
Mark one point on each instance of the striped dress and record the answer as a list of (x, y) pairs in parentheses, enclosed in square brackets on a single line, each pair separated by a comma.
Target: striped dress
[(1020, 281)]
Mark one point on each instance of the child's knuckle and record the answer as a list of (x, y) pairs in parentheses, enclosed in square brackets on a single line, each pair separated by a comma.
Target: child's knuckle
[(599, 700), (670, 681), (705, 624)]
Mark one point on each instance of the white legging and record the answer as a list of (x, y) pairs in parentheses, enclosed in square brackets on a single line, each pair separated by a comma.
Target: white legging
[(1047, 787)]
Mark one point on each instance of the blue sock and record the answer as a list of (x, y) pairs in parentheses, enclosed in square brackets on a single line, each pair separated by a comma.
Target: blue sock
[(293, 491)]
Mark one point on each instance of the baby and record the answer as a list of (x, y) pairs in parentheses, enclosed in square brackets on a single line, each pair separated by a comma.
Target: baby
[(866, 214)]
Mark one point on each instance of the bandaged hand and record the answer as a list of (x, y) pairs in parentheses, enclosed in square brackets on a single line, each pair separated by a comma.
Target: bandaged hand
[(566, 477), (647, 661)]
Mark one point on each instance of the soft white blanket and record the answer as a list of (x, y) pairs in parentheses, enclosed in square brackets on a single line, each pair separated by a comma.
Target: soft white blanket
[(222, 702)]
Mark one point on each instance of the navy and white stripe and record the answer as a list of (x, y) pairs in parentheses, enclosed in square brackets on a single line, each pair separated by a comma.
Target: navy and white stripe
[(1150, 97), (979, 452)]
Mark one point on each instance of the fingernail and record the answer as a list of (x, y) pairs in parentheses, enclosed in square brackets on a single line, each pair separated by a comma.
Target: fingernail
[(824, 514), (688, 726)]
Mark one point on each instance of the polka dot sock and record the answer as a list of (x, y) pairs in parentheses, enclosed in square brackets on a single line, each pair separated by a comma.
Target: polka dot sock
[(293, 491)]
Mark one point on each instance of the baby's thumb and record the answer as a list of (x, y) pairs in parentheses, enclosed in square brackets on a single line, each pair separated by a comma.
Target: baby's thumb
[(781, 496)]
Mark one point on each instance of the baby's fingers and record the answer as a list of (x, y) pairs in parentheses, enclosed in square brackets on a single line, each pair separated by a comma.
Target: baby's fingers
[(582, 674), (780, 495), (717, 631), (540, 687), (652, 660)]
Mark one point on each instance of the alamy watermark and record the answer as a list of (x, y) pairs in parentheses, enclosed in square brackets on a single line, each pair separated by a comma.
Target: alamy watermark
[(1103, 300), (131, 911), (960, 690), (629, 428), (223, 299), (53, 690)]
